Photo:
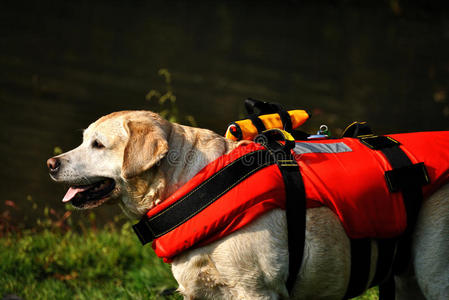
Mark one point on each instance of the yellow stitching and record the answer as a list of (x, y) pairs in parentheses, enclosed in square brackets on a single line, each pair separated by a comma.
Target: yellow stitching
[(392, 139), (365, 138), (425, 173), (200, 185), (369, 136), (218, 196)]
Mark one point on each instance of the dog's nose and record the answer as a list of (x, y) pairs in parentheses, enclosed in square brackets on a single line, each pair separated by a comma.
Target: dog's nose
[(53, 165)]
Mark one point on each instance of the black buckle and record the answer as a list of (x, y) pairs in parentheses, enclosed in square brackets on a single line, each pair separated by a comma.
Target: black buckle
[(143, 231), (378, 142), (410, 176)]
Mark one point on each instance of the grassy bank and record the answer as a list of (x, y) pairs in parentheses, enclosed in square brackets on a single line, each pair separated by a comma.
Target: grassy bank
[(103, 264), (96, 264)]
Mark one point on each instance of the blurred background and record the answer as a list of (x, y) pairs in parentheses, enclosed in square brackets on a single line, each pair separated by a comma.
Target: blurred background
[(63, 64)]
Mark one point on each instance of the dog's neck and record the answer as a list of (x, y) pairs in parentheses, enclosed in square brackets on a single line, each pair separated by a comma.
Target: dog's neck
[(190, 150)]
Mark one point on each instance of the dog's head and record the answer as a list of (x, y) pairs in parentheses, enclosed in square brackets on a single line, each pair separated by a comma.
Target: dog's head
[(116, 159)]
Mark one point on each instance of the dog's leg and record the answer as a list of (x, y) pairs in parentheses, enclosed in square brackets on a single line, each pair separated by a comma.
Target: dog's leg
[(431, 246), (253, 262), (249, 264)]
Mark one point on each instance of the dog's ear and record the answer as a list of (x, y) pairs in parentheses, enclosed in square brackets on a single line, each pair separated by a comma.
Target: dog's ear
[(147, 145)]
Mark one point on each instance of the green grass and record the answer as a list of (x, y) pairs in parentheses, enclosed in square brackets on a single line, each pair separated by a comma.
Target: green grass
[(96, 264), (103, 264)]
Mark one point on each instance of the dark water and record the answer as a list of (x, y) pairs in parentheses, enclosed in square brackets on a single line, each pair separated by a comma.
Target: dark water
[(63, 64)]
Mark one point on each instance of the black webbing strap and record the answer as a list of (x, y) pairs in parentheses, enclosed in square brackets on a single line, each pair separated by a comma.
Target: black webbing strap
[(404, 177), (407, 178), (360, 266), (294, 198), (260, 126), (201, 197), (387, 289), (386, 252), (286, 120)]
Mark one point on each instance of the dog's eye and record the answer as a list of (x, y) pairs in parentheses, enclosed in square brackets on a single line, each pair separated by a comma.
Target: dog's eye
[(97, 144)]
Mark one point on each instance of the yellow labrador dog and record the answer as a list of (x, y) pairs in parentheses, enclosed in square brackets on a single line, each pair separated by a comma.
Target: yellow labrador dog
[(125, 158)]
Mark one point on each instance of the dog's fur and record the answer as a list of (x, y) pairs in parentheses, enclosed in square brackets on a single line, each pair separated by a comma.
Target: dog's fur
[(149, 158)]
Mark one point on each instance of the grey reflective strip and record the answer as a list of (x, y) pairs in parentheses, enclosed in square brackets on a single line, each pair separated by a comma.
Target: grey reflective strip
[(301, 148)]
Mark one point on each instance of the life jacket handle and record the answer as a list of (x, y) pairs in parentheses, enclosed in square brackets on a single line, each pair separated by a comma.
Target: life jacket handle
[(264, 115), (267, 108), (262, 106), (284, 138)]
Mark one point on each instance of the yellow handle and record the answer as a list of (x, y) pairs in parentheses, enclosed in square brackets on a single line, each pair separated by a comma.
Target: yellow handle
[(287, 136), (271, 121)]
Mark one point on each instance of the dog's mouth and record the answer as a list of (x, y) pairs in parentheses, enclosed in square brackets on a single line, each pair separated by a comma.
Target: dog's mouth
[(90, 195)]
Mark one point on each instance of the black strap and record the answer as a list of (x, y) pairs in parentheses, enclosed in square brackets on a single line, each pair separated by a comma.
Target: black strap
[(386, 252), (201, 197), (401, 178), (295, 201), (407, 178), (286, 120), (260, 126), (387, 289), (382, 143), (299, 135), (296, 221), (360, 267)]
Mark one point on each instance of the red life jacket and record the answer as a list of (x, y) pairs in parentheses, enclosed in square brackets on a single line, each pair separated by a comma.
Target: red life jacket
[(342, 174)]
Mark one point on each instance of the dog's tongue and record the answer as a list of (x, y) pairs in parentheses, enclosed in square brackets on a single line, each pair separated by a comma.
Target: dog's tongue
[(73, 191)]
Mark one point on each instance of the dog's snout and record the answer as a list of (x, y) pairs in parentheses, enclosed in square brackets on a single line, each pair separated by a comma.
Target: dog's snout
[(53, 165)]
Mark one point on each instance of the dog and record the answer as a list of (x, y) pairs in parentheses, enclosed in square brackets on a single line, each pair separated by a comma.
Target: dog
[(125, 159)]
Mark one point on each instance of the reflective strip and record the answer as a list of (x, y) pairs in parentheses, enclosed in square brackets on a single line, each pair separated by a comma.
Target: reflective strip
[(301, 148)]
